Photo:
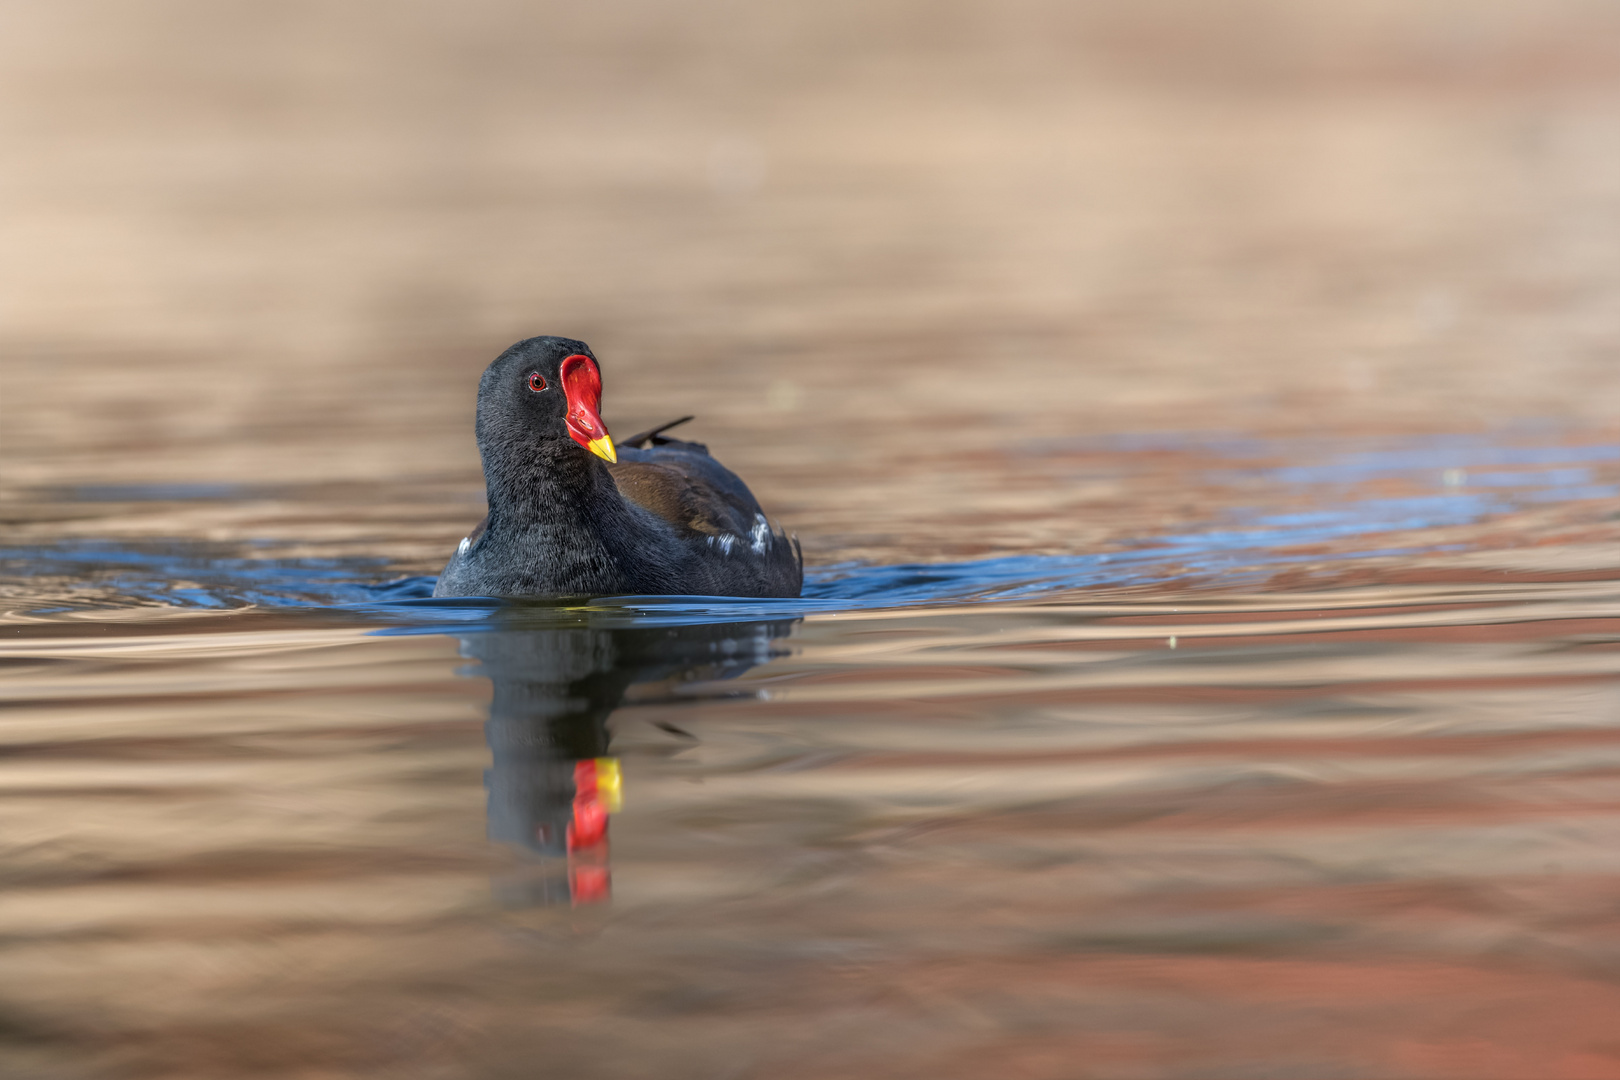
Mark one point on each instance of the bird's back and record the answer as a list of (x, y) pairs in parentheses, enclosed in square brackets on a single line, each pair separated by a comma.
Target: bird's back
[(734, 548)]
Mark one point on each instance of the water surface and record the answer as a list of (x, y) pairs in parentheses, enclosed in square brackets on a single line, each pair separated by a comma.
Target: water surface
[(1321, 785)]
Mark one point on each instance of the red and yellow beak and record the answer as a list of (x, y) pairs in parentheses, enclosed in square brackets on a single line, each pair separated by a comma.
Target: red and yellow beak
[(582, 384)]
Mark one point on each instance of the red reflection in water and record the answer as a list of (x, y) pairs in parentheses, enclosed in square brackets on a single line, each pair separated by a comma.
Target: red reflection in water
[(588, 878)]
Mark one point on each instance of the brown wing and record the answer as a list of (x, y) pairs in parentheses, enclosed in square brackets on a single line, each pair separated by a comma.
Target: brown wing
[(681, 483)]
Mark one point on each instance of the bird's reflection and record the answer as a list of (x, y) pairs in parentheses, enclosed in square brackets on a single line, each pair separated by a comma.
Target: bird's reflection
[(554, 780)]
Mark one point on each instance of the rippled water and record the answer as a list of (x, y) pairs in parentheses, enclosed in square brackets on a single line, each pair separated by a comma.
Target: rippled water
[(1323, 784)]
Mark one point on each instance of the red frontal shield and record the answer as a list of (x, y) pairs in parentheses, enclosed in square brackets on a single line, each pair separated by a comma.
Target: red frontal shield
[(582, 384)]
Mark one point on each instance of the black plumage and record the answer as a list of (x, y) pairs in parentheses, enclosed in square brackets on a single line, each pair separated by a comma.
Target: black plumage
[(664, 518)]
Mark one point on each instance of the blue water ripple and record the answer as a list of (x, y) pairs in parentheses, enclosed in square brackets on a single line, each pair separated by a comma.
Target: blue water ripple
[(1468, 478)]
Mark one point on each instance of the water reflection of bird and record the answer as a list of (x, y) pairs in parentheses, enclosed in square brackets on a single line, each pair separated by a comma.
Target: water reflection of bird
[(553, 780), (572, 515)]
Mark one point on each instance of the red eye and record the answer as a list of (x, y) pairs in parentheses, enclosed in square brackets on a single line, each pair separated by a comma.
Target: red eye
[(537, 382)]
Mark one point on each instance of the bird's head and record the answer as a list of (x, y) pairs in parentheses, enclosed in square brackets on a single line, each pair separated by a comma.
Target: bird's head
[(542, 392)]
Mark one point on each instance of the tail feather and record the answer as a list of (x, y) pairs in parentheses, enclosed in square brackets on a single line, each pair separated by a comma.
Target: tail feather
[(651, 435)]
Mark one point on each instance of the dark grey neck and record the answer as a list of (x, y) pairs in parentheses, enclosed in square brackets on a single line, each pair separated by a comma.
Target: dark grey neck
[(559, 487)]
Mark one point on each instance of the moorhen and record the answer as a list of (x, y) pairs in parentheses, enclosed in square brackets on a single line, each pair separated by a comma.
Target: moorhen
[(570, 514)]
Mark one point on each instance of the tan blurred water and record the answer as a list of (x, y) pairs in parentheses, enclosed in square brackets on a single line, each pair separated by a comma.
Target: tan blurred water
[(1200, 420)]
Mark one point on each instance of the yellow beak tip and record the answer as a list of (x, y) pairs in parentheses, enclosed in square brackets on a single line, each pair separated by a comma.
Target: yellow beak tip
[(603, 448)]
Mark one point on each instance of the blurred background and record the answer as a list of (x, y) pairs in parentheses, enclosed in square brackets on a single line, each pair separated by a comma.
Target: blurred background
[(867, 243)]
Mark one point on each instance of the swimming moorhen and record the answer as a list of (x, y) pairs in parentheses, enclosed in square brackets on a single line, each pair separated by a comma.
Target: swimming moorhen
[(570, 514)]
